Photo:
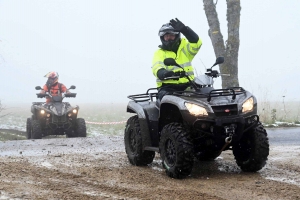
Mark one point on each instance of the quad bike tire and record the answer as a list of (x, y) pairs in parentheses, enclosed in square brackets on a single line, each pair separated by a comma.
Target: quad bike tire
[(133, 144), (36, 130), (79, 130), (176, 151), (80, 127), (70, 133), (251, 152), (28, 128)]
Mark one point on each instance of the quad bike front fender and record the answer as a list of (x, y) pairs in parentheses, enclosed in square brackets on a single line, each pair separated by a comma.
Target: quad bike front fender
[(148, 114)]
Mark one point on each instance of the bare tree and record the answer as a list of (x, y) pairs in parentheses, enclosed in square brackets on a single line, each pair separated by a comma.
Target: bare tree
[(1, 109), (230, 48)]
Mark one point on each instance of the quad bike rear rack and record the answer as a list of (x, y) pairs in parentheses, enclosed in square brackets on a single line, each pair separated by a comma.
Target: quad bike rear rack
[(148, 96)]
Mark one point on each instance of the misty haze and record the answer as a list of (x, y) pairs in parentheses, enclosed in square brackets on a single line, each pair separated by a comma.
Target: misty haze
[(105, 49)]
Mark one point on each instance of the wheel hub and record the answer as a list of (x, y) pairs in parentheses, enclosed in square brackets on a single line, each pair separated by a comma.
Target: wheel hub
[(170, 152), (132, 141)]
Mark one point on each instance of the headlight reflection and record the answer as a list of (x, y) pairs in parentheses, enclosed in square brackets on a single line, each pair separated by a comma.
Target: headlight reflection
[(248, 105), (196, 110)]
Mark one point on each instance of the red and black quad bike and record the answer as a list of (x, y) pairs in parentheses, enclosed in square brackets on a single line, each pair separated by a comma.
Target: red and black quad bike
[(54, 118)]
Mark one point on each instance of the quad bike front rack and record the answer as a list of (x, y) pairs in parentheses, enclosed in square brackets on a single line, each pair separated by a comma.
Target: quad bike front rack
[(232, 91)]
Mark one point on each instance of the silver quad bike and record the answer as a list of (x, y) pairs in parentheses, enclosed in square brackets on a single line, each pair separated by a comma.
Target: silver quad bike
[(198, 123)]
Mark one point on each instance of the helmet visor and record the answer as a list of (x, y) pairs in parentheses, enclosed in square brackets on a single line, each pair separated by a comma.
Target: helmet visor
[(162, 33)]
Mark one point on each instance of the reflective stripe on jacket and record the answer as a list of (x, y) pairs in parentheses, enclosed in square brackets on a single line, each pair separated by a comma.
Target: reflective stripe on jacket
[(185, 54)]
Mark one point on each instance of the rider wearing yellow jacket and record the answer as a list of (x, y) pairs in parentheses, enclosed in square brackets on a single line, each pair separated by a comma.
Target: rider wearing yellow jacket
[(182, 50)]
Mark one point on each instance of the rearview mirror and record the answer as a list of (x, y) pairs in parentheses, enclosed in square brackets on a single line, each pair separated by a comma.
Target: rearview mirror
[(72, 87), (171, 61), (38, 88), (219, 60)]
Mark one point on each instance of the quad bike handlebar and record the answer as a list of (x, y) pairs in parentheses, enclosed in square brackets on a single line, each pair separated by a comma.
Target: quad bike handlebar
[(68, 95), (41, 95), (210, 72), (171, 61), (214, 73)]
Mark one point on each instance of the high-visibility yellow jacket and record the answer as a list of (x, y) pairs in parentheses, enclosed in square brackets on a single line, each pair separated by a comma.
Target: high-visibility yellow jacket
[(185, 54)]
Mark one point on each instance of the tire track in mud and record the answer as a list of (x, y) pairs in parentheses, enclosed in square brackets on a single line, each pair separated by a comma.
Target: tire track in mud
[(96, 178), (97, 168), (92, 183)]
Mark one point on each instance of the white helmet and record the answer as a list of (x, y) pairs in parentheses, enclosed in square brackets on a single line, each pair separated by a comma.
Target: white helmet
[(52, 78)]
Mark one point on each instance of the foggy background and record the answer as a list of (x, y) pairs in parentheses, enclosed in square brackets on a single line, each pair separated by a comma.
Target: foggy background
[(106, 49)]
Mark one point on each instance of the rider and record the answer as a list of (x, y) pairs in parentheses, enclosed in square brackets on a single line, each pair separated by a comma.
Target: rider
[(182, 50), (53, 86)]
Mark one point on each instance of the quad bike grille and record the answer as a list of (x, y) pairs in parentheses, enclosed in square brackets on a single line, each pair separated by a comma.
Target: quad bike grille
[(62, 126), (225, 110), (58, 119)]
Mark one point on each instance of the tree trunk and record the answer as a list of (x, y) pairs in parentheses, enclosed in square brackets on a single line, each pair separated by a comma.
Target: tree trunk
[(230, 52)]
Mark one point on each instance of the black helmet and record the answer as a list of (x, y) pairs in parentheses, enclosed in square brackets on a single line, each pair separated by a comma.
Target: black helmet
[(169, 45)]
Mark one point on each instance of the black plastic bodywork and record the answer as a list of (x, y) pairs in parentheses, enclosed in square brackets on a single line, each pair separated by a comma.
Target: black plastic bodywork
[(56, 117), (225, 117)]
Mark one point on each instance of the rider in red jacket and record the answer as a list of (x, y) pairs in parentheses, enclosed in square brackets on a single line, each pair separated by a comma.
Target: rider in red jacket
[(53, 86)]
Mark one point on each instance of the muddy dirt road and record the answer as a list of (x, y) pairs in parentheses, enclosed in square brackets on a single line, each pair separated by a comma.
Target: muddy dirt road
[(97, 168)]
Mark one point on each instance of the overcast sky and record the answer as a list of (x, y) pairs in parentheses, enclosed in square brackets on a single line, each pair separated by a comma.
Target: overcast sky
[(106, 49)]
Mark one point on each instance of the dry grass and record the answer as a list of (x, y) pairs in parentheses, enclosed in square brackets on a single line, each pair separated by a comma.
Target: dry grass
[(270, 112)]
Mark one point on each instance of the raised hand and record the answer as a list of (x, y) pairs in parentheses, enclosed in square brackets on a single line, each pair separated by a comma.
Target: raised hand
[(177, 24)]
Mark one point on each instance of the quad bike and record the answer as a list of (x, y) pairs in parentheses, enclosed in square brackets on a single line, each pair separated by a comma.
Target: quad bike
[(200, 122), (54, 118)]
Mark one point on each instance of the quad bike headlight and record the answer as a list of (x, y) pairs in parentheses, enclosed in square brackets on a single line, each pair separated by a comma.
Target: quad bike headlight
[(248, 105), (74, 111), (42, 112), (195, 109)]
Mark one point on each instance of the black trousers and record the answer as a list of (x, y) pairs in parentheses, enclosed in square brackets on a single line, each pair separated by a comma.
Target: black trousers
[(170, 88)]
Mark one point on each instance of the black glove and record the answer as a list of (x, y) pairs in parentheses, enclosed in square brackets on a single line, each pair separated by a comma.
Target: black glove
[(185, 30), (168, 73), (163, 73), (180, 74), (177, 25), (214, 73)]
